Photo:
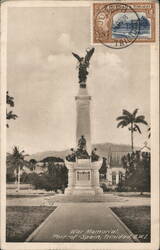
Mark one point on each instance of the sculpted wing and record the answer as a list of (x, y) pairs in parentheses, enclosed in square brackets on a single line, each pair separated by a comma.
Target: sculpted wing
[(76, 56), (89, 54)]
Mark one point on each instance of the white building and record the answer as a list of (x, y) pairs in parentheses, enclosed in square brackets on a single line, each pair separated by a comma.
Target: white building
[(115, 170)]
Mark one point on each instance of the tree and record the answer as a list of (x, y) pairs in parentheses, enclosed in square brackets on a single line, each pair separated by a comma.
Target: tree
[(149, 132), (137, 166), (131, 120), (32, 164), (57, 175), (52, 159), (55, 178), (16, 161), (103, 169), (9, 114)]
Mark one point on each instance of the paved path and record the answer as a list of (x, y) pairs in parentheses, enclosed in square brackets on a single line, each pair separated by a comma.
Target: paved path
[(82, 222), (109, 200)]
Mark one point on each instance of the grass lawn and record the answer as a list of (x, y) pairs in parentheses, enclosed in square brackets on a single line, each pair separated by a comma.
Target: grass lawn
[(145, 195), (13, 196), (137, 219), (22, 220)]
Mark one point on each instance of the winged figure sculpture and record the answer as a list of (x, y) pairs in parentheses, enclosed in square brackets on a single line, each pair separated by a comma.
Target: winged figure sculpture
[(83, 64)]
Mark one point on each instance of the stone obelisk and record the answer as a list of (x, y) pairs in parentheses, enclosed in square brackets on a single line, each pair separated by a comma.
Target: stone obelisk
[(83, 126), (83, 165)]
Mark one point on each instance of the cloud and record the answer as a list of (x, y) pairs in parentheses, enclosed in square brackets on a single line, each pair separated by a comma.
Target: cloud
[(27, 57), (34, 61), (57, 61), (37, 66), (111, 67), (65, 42), (61, 67), (107, 59)]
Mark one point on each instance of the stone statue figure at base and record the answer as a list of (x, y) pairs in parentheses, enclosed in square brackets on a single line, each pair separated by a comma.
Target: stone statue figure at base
[(94, 156), (83, 64), (82, 143), (81, 152)]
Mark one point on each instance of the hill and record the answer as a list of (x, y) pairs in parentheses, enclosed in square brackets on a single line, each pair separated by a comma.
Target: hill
[(41, 155), (103, 149)]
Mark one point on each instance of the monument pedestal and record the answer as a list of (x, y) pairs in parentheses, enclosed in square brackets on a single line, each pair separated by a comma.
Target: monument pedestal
[(83, 178)]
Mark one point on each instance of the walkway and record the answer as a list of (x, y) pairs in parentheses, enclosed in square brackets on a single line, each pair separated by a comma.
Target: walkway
[(82, 222), (110, 200)]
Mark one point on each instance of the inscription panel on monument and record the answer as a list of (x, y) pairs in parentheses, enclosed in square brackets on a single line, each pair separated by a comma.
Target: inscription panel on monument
[(83, 177)]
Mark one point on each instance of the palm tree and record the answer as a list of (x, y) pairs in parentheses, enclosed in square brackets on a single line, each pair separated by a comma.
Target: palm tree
[(149, 132), (16, 161), (9, 114), (131, 120)]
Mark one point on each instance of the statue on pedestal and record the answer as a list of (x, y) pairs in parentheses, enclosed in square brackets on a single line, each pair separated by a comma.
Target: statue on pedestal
[(81, 152), (72, 156), (83, 64), (94, 156), (82, 143)]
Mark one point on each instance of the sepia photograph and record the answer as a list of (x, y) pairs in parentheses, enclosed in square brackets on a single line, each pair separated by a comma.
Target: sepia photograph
[(79, 129)]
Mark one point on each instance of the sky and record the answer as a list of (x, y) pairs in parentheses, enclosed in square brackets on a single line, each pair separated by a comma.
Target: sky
[(129, 15), (42, 77)]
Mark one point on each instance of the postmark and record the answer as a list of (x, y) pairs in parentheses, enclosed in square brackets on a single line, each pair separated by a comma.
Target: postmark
[(118, 25)]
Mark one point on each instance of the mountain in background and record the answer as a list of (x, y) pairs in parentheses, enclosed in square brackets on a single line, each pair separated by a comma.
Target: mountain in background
[(103, 149)]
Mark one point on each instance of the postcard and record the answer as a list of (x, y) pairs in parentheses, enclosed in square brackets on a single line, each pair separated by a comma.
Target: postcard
[(79, 125)]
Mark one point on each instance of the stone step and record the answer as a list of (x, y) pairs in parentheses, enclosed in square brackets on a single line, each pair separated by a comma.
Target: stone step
[(79, 198)]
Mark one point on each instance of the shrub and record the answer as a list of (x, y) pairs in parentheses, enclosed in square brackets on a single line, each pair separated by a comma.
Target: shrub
[(137, 167), (104, 187), (30, 178), (55, 179), (10, 178), (121, 188), (24, 177)]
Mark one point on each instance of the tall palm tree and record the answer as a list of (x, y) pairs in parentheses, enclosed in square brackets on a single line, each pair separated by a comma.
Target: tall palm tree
[(149, 132), (9, 114), (131, 120), (16, 161)]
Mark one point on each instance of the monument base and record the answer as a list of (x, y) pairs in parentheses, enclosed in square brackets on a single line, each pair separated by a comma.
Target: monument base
[(83, 191), (64, 198), (83, 179)]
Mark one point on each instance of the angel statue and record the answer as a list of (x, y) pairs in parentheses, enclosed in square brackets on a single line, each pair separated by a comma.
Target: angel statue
[(83, 64)]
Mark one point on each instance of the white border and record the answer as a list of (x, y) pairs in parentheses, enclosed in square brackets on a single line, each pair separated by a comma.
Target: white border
[(3, 121), (154, 141)]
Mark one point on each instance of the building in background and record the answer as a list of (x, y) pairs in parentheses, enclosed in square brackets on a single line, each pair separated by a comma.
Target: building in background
[(115, 171)]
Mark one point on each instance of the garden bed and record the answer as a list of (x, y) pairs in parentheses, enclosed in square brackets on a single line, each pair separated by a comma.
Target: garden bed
[(137, 219), (22, 221)]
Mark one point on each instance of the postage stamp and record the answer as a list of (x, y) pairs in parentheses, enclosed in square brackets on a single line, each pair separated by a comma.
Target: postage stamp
[(118, 25)]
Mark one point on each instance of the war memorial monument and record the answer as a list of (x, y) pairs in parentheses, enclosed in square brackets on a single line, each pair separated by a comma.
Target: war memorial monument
[(83, 163)]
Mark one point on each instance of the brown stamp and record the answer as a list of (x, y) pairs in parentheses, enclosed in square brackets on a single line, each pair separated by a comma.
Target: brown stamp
[(118, 25)]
